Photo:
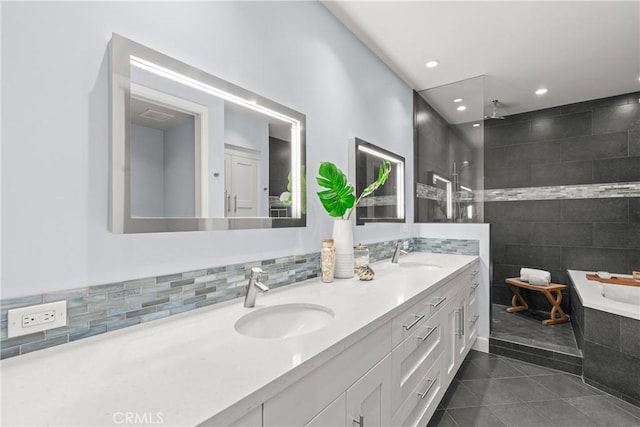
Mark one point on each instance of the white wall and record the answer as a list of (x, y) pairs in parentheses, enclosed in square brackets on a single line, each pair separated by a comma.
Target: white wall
[(55, 128), (478, 232)]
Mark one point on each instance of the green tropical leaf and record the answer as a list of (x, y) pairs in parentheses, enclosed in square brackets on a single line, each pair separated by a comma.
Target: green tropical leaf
[(383, 174), (339, 194)]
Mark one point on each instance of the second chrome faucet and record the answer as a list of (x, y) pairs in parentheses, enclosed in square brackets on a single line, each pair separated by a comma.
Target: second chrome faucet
[(397, 252)]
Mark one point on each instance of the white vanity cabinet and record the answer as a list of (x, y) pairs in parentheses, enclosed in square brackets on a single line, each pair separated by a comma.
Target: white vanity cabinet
[(396, 375), (367, 402), (359, 372)]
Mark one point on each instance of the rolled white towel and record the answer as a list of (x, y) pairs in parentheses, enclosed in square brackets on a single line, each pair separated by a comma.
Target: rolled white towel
[(535, 276), (539, 280)]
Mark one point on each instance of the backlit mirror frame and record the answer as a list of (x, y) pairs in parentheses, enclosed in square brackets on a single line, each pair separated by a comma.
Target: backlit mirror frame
[(357, 145), (121, 52)]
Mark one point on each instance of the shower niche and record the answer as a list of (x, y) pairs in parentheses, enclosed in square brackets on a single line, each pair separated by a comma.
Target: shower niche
[(449, 144)]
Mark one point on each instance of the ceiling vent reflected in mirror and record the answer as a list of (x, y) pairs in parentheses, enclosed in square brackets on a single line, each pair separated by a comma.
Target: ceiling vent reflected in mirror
[(158, 116)]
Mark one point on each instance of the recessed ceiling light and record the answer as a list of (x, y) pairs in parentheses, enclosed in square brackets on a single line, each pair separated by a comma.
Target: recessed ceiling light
[(461, 108), (432, 64), (541, 91), (457, 100), (475, 125)]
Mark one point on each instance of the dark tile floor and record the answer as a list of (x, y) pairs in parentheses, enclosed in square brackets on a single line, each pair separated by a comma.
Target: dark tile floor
[(526, 327), (496, 391)]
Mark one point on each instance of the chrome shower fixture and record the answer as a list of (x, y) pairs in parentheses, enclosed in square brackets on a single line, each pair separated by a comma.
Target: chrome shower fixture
[(494, 114)]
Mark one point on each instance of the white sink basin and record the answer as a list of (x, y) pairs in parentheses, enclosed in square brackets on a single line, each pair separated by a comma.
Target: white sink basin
[(284, 321), (418, 265)]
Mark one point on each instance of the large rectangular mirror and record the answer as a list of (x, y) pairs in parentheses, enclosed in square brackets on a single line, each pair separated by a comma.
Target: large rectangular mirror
[(387, 203), (190, 151)]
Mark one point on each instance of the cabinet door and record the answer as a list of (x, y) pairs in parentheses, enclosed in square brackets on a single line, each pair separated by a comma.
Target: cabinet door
[(251, 419), (454, 339), (333, 415), (460, 334), (369, 399)]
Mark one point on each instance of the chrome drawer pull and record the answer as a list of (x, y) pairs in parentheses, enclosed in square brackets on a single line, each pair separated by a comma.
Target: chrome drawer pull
[(460, 320), (440, 301), (475, 319), (474, 286), (424, 393), (429, 332), (415, 322), (474, 273), (359, 421)]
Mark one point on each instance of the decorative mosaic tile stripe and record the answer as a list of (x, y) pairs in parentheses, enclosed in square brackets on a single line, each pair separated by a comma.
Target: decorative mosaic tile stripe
[(424, 191), (586, 191), (378, 201), (99, 309), (447, 246)]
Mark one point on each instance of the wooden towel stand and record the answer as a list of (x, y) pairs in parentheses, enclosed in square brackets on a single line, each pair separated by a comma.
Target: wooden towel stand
[(519, 304)]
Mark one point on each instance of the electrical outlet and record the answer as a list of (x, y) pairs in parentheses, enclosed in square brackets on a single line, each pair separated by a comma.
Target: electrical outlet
[(36, 318)]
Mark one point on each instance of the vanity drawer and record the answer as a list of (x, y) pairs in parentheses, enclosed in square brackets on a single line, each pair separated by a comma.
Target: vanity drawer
[(423, 400), (411, 360), (406, 323), (472, 273), (473, 314)]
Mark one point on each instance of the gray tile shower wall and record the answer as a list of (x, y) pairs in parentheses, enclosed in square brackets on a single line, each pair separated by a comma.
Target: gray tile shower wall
[(99, 309), (562, 191)]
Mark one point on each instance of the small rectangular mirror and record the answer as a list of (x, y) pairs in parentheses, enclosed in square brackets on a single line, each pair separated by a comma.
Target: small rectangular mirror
[(190, 151), (387, 203)]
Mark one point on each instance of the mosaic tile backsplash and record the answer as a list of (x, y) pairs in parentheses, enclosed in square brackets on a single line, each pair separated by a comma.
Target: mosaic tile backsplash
[(98, 309)]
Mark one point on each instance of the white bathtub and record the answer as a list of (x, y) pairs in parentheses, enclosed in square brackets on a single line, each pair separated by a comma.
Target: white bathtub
[(616, 299)]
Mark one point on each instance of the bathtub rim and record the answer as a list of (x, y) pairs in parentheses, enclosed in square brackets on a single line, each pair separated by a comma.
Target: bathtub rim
[(591, 297)]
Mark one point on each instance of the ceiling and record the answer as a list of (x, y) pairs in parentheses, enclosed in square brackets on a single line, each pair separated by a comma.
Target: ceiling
[(577, 50)]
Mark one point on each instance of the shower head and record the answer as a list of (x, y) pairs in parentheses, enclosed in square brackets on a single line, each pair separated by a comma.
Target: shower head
[(457, 171), (494, 114)]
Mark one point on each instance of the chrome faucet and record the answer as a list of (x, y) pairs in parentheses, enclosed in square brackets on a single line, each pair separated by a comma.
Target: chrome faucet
[(253, 287), (397, 252)]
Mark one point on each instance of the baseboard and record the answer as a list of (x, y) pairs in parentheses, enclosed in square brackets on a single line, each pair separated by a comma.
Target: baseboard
[(481, 344)]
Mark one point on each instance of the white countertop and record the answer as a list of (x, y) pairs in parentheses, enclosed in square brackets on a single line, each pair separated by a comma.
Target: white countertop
[(590, 293), (194, 366)]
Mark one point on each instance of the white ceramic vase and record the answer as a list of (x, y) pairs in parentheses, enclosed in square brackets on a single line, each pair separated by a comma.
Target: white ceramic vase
[(343, 241)]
